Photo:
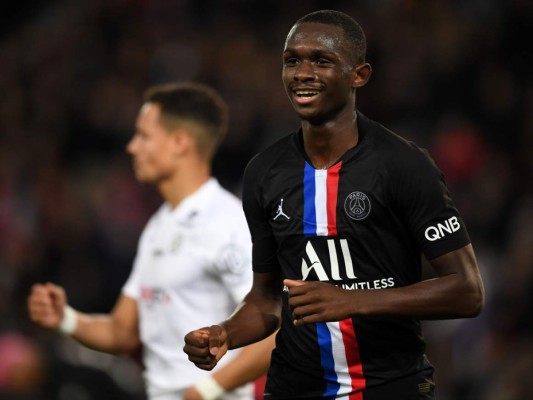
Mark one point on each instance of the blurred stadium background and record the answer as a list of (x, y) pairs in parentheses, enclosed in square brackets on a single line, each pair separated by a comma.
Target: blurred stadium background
[(454, 76)]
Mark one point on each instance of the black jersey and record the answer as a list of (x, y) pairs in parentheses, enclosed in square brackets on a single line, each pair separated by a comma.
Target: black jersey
[(362, 224)]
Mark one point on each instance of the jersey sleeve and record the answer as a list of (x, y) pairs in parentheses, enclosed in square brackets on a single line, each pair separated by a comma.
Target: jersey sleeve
[(264, 250), (132, 287), (424, 203)]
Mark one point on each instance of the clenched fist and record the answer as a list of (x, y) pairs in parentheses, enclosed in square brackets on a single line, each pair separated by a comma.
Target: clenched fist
[(46, 303)]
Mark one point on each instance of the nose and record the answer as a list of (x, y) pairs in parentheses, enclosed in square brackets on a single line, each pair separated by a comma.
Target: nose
[(130, 146), (304, 71)]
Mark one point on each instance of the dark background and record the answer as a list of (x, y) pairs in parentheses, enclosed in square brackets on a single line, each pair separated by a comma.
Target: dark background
[(454, 76)]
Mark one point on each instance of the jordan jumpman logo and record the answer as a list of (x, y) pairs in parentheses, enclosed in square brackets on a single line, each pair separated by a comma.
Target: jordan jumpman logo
[(280, 212)]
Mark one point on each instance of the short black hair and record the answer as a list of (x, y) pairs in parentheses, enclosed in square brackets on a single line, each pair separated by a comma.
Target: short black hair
[(353, 31), (192, 102)]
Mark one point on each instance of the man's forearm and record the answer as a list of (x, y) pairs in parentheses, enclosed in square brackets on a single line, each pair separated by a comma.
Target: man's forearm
[(251, 364), (251, 323), (99, 332)]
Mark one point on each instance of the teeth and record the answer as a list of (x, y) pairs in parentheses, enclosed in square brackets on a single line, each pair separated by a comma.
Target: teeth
[(306, 93)]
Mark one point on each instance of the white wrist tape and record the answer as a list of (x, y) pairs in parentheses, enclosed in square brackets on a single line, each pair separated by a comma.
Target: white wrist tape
[(70, 321), (209, 388)]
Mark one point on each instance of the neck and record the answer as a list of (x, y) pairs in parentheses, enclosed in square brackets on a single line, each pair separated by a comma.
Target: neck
[(326, 143), (183, 182)]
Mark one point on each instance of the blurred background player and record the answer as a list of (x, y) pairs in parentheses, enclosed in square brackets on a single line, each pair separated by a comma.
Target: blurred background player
[(193, 262)]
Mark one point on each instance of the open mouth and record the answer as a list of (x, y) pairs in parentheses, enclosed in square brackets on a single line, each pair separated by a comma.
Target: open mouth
[(305, 95)]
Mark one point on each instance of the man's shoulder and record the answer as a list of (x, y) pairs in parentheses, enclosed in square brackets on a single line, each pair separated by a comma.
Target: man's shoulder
[(384, 137), (158, 214), (218, 195), (393, 149), (154, 221), (226, 200), (272, 153)]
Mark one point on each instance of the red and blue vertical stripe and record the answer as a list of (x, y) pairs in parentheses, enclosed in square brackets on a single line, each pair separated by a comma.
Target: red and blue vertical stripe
[(320, 200), (339, 350), (340, 359)]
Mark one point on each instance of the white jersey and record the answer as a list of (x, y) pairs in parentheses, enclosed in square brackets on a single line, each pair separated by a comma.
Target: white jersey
[(192, 268)]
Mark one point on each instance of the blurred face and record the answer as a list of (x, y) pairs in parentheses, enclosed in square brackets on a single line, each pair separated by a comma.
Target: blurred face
[(153, 148), (317, 72)]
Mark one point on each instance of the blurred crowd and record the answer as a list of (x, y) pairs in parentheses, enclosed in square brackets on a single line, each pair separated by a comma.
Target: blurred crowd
[(453, 76)]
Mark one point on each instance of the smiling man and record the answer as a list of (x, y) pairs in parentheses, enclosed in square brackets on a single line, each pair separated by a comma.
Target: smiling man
[(341, 271)]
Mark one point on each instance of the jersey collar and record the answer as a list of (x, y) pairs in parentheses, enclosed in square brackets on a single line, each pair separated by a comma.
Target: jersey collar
[(365, 137)]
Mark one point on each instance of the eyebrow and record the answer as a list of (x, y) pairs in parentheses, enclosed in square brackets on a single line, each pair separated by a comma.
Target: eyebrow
[(314, 53)]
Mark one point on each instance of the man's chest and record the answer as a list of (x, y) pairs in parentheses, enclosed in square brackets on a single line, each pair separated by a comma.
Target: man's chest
[(173, 256), (335, 225), (342, 200)]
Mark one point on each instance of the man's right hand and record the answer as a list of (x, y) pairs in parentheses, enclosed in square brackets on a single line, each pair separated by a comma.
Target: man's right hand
[(46, 303), (206, 346)]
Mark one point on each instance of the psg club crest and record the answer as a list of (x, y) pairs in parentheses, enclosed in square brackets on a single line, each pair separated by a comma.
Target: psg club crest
[(357, 205)]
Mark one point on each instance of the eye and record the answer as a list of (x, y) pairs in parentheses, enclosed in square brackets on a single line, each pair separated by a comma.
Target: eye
[(140, 135), (322, 61), (290, 61)]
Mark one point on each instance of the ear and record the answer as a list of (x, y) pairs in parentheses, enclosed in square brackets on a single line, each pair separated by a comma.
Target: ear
[(361, 75), (180, 140)]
